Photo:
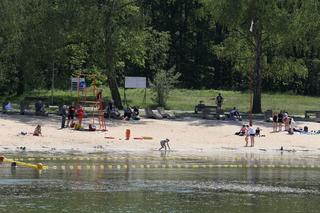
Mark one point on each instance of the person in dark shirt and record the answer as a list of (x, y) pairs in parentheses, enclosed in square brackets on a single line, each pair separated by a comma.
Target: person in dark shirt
[(71, 113), (135, 113), (127, 114), (275, 122), (280, 121), (219, 101), (39, 106), (63, 116), (112, 111)]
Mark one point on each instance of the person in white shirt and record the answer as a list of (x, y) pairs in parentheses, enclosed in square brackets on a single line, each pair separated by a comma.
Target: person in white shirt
[(252, 133)]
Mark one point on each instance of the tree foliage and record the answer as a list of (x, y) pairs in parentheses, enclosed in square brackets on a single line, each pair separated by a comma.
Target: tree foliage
[(164, 81), (208, 42)]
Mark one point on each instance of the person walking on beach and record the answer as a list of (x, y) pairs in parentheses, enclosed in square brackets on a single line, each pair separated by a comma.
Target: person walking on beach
[(252, 134), (164, 144), (246, 134), (280, 121), (63, 116), (275, 122), (71, 113), (219, 101)]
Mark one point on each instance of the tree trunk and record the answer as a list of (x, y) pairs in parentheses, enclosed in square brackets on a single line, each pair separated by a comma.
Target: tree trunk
[(114, 90), (110, 57), (256, 107)]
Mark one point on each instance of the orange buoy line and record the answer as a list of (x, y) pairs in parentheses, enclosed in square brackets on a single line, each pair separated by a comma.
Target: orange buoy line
[(38, 166)]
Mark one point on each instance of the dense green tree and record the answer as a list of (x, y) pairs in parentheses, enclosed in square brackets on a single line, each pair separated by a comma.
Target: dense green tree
[(11, 32), (251, 25), (208, 42)]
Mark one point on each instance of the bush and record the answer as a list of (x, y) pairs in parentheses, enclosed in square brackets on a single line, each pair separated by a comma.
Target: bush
[(163, 82)]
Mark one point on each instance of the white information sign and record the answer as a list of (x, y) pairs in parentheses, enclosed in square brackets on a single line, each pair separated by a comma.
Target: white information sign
[(135, 82)]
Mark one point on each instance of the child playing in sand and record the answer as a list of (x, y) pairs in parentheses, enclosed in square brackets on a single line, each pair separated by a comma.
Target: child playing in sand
[(37, 131), (164, 144), (80, 114), (246, 134)]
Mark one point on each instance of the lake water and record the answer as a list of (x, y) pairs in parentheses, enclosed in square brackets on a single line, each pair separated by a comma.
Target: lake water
[(131, 183)]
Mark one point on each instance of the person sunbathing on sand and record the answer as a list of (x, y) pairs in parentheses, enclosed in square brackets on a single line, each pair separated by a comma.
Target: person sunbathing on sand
[(164, 144), (242, 131), (37, 131)]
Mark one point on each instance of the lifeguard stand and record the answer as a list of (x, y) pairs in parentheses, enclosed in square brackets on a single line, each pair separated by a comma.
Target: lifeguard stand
[(97, 104)]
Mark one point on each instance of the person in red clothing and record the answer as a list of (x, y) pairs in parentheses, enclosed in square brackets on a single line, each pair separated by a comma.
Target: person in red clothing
[(80, 114)]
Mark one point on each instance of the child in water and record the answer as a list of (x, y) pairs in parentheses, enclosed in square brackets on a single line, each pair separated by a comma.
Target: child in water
[(164, 144)]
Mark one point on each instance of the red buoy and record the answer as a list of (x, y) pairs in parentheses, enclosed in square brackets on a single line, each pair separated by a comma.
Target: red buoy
[(128, 134)]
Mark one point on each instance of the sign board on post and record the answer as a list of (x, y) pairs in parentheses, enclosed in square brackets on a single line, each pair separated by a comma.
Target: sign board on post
[(135, 82), (75, 81)]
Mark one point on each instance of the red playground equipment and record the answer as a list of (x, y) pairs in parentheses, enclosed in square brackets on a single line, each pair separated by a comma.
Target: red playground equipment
[(96, 105)]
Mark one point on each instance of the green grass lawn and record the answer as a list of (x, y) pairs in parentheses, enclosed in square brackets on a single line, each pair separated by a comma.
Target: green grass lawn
[(183, 99)]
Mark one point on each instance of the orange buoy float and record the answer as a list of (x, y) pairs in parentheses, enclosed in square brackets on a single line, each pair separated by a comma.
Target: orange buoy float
[(128, 134)]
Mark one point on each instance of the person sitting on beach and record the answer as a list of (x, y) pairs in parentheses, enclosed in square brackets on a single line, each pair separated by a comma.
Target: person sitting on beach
[(199, 107), (164, 144), (111, 111), (7, 107), (135, 113), (242, 131), (290, 131), (37, 131), (234, 113), (127, 114), (39, 106), (92, 127), (258, 132)]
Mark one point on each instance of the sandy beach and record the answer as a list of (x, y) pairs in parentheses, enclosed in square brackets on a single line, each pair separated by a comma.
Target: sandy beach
[(187, 136)]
